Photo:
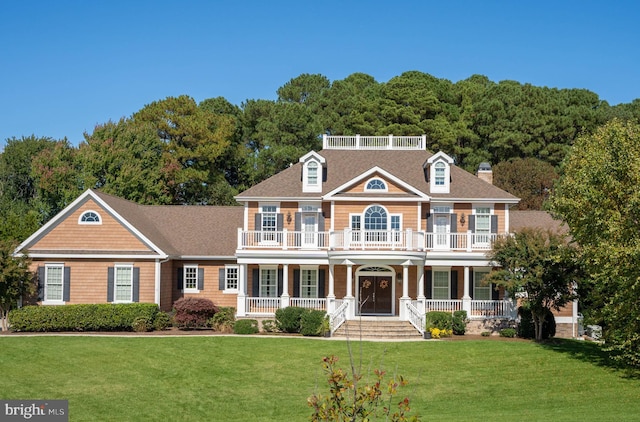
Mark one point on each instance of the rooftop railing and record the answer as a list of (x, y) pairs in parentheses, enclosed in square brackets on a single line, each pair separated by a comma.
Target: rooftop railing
[(390, 142)]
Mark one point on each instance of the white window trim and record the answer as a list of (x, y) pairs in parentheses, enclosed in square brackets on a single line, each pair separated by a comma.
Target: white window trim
[(95, 223), (226, 288), (45, 285), (115, 283), (433, 281), (440, 157), (386, 185), (315, 268), (306, 186), (475, 281), (268, 267), (184, 279), (475, 230)]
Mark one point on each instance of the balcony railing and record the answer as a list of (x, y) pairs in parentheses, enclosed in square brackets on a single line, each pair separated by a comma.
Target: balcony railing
[(358, 142), (352, 240)]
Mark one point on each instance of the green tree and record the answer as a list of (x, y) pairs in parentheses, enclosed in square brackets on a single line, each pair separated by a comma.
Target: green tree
[(538, 265), (597, 196), (15, 280), (530, 179)]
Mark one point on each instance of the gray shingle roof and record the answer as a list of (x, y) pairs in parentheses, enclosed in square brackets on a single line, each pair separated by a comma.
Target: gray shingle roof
[(519, 220)]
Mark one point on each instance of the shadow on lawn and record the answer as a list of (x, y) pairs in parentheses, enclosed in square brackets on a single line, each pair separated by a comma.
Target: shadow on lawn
[(589, 352)]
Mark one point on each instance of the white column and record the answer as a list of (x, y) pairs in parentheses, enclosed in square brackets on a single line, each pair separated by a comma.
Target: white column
[(156, 294), (421, 297), (466, 299), (241, 305), (351, 310), (349, 280), (331, 297), (284, 298), (405, 293)]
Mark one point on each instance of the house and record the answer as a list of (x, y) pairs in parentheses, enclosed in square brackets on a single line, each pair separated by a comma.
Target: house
[(367, 226)]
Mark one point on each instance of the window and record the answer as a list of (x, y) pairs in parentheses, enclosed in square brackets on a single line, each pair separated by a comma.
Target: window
[(312, 173), (375, 224), (376, 184), (268, 282), (190, 278), (123, 283), (481, 291), (309, 283), (483, 225), (440, 172), (396, 226), (441, 285), (89, 217), (269, 222), (312, 164), (231, 277), (53, 283), (355, 227)]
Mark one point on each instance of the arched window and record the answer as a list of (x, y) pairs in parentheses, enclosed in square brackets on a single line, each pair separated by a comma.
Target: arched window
[(89, 217), (312, 173), (376, 184), (440, 173), (375, 218)]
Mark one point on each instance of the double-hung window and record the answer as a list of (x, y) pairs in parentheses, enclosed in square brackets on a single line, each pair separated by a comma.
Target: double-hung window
[(268, 282), (441, 285), (481, 291), (123, 280), (396, 226), (54, 283), (355, 227), (190, 278), (269, 222), (483, 225), (309, 283)]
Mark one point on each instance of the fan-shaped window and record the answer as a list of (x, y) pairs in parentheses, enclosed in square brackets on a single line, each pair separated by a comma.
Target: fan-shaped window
[(376, 184), (375, 218), (90, 217)]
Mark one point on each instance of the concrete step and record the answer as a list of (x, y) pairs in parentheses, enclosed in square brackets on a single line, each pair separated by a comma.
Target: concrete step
[(377, 328)]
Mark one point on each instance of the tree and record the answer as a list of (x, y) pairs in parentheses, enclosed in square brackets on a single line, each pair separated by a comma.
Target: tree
[(15, 280), (538, 265), (597, 196), (530, 179)]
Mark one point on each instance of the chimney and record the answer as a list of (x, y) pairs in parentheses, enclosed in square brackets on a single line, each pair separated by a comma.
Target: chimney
[(484, 172)]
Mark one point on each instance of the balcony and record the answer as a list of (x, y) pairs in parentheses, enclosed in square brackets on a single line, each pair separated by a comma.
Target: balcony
[(364, 240), (357, 142)]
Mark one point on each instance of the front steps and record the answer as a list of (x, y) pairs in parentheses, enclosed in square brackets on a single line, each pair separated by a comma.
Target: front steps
[(388, 328)]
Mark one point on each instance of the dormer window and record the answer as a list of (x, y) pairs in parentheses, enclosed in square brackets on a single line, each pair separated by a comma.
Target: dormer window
[(312, 172), (440, 169), (440, 172), (376, 184), (90, 217)]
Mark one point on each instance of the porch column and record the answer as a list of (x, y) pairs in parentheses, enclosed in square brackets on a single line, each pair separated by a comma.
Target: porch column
[(351, 310), (331, 297), (421, 296), (405, 293), (466, 298), (241, 309), (284, 298)]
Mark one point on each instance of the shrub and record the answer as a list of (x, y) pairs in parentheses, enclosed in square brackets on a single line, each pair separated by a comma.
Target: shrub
[(459, 322), (440, 320), (485, 333), (162, 321), (288, 319), (142, 324), (223, 319), (86, 317), (192, 312), (438, 333), (508, 332), (311, 322), (526, 327), (269, 326), (245, 326)]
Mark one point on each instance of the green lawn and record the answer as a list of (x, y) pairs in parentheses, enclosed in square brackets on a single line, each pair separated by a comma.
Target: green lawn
[(218, 378)]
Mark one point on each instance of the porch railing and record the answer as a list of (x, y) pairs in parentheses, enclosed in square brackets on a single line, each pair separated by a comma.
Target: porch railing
[(266, 306), (443, 305), (491, 309), (257, 239), (416, 318), (309, 303), (339, 316)]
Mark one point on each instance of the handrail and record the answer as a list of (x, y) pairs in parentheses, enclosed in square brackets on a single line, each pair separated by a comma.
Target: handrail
[(338, 317), (416, 318)]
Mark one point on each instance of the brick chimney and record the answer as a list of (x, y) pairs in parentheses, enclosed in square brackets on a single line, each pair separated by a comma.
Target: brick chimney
[(484, 172)]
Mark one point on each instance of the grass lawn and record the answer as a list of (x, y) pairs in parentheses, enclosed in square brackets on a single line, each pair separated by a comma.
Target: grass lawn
[(217, 378)]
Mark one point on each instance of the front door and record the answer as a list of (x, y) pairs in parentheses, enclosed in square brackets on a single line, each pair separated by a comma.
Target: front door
[(309, 230), (376, 294)]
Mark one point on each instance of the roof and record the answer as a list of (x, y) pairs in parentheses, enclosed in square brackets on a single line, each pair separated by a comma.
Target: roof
[(345, 165), (519, 220)]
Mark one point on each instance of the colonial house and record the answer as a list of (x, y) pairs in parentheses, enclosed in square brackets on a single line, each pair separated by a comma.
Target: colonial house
[(370, 226)]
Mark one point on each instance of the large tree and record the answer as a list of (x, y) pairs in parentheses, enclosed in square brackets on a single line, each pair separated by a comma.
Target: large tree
[(538, 266), (530, 179), (15, 280), (598, 197)]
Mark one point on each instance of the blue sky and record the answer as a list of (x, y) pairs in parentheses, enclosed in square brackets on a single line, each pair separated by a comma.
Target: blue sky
[(66, 66)]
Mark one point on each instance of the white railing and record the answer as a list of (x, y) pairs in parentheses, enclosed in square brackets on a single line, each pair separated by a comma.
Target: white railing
[(282, 239), (262, 305), (416, 318), (459, 241), (339, 316), (491, 309), (309, 303), (443, 305), (371, 239), (358, 142)]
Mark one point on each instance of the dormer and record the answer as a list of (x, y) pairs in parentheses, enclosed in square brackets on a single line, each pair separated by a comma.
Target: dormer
[(312, 172), (440, 172)]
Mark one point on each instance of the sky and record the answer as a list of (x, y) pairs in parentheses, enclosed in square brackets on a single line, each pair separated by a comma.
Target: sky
[(66, 66)]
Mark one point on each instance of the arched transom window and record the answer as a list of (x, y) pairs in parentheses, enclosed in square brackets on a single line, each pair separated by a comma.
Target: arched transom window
[(376, 184), (90, 217)]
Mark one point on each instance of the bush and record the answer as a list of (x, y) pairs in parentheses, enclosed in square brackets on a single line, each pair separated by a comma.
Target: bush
[(440, 320), (459, 322), (223, 319), (162, 321), (192, 312), (508, 332), (89, 317), (311, 322), (142, 324), (485, 333), (526, 328), (288, 319), (269, 326), (245, 326)]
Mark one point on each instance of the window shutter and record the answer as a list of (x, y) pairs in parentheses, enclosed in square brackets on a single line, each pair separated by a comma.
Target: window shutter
[(41, 275), (180, 278), (258, 221), (135, 294), (110, 286), (200, 278), (66, 284), (454, 284), (454, 223), (296, 283), (321, 277), (279, 222), (298, 222), (494, 224), (320, 222), (472, 223), (428, 285), (495, 293), (280, 272), (221, 276), (430, 223), (255, 285), (471, 283)]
